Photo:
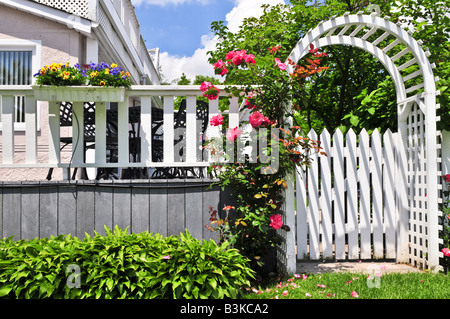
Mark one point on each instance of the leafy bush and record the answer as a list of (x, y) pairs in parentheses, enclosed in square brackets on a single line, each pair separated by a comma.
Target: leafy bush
[(122, 266)]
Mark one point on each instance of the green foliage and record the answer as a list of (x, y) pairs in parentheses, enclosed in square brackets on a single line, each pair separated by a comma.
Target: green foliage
[(121, 266)]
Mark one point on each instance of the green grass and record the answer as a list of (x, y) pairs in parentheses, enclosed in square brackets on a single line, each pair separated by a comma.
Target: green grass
[(341, 286)]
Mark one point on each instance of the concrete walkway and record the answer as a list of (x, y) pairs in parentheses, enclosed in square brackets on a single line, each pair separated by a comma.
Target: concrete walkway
[(369, 267)]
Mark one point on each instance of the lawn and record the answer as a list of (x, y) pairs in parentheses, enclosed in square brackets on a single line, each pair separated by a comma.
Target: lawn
[(357, 286)]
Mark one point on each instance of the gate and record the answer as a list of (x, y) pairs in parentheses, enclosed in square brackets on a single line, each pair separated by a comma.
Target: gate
[(347, 218)]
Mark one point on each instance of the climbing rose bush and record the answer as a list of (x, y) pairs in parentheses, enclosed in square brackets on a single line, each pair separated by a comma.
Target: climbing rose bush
[(264, 88)]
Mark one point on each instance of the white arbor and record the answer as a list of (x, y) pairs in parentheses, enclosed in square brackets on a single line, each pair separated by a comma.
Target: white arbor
[(417, 178)]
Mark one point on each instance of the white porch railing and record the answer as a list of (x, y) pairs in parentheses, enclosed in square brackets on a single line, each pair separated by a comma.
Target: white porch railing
[(161, 98)]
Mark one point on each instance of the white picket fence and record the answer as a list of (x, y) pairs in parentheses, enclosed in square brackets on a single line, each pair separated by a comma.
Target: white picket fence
[(345, 202)]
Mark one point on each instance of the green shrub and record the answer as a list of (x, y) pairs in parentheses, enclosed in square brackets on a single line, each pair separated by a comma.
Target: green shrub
[(121, 265)]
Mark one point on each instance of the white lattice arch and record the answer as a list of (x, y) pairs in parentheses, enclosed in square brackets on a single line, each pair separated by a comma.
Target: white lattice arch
[(418, 181)]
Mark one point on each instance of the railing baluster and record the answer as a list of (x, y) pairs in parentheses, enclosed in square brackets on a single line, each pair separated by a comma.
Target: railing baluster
[(123, 134), (191, 129), (8, 128), (234, 112), (31, 130), (100, 133), (212, 131), (168, 129), (54, 134), (146, 130), (77, 133)]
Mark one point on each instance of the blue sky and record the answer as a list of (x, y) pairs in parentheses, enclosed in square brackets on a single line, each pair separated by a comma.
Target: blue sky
[(181, 30)]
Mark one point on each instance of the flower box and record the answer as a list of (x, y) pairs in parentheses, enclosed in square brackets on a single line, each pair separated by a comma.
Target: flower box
[(79, 93)]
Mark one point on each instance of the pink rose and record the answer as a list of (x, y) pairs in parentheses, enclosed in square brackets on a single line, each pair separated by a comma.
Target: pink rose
[(249, 103), (256, 119), (230, 55), (219, 64), (204, 86), (354, 294), (276, 221), (232, 134), (239, 57), (216, 120), (220, 67), (209, 91), (446, 252), (447, 178), (282, 66), (250, 58)]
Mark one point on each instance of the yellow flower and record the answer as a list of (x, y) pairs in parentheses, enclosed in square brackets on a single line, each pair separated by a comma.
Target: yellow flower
[(67, 64), (102, 83), (106, 71), (66, 75), (114, 65), (94, 74)]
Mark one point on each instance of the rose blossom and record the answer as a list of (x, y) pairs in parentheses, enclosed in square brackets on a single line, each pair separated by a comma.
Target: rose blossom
[(249, 103), (256, 119), (282, 66), (354, 294), (216, 120), (232, 134), (276, 221), (209, 91), (204, 86), (220, 66), (239, 57), (446, 252), (230, 55), (250, 58)]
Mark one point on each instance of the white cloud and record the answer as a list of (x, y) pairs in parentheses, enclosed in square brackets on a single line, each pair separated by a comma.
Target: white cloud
[(197, 64), (245, 9), (174, 66)]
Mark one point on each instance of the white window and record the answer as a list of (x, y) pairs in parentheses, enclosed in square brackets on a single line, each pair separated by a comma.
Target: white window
[(19, 60)]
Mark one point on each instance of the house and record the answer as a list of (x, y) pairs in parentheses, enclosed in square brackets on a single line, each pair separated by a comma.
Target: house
[(40, 32)]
